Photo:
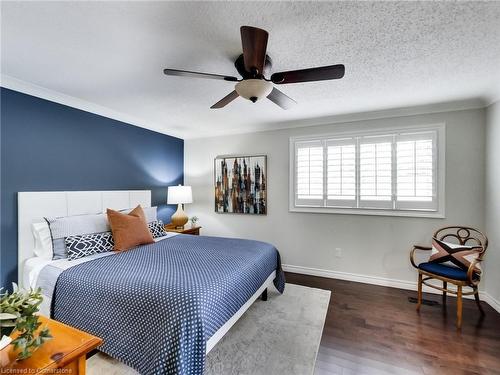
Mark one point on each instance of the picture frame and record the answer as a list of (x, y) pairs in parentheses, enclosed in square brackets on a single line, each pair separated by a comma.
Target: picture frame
[(240, 184)]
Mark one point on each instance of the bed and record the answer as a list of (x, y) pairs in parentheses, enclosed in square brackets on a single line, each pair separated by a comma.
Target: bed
[(160, 307)]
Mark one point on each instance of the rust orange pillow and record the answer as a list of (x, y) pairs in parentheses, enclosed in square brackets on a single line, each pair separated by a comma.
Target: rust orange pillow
[(129, 230)]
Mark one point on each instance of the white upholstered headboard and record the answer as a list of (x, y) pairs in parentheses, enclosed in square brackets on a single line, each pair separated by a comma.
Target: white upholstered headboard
[(32, 207)]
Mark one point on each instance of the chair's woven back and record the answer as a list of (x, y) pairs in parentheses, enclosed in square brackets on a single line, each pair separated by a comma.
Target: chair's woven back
[(464, 236)]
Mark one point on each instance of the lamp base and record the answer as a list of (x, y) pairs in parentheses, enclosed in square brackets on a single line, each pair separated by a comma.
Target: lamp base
[(179, 218)]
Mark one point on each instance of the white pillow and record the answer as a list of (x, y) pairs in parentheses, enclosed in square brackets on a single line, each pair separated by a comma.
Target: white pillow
[(62, 227), (43, 240), (149, 212)]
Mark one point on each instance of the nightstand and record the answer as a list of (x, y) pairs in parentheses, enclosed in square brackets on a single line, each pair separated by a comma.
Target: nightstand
[(65, 353), (186, 230)]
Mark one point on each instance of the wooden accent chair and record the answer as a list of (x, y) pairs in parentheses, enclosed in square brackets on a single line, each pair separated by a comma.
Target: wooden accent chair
[(461, 278)]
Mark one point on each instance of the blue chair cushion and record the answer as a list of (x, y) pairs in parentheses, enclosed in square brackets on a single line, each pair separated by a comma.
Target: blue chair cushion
[(442, 270)]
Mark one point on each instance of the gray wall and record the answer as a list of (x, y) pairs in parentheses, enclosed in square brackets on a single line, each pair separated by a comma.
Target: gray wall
[(492, 220), (372, 245)]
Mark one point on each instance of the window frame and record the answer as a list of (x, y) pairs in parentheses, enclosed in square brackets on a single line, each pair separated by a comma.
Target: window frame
[(439, 173)]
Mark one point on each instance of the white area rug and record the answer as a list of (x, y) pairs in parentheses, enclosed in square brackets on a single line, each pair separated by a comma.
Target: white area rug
[(280, 336)]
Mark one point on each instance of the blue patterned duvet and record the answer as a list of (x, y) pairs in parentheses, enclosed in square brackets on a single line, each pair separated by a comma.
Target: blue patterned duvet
[(156, 306)]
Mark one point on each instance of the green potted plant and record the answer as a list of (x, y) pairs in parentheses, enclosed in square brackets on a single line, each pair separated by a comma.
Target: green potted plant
[(194, 220), (18, 315)]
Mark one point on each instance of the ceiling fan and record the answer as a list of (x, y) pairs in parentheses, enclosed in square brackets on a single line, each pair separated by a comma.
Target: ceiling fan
[(253, 65)]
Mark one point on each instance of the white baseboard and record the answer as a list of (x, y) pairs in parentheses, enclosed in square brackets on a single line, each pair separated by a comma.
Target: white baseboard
[(491, 301), (382, 281), (375, 280)]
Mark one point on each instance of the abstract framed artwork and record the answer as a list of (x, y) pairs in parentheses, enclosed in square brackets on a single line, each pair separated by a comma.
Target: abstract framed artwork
[(241, 184)]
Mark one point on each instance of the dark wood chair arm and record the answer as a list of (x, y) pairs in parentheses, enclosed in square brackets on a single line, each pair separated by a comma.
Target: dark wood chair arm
[(412, 253), (470, 272), (420, 247)]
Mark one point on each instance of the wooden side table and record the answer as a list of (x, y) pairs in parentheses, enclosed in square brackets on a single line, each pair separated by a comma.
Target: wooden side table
[(66, 351), (186, 230)]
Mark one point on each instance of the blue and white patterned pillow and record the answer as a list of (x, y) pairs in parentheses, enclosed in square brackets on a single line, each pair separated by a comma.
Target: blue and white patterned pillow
[(157, 229), (88, 244)]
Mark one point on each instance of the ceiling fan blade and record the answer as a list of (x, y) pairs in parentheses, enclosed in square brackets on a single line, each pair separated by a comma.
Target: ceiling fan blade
[(307, 75), (254, 42), (187, 73), (279, 98), (225, 100)]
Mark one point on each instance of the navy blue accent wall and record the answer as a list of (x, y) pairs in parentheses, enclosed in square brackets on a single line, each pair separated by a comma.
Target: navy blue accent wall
[(49, 147)]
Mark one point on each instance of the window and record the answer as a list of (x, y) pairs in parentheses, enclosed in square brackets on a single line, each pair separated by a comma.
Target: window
[(310, 173), (341, 173), (399, 172)]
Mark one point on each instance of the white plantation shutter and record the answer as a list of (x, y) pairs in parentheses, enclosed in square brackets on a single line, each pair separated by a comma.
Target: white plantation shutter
[(375, 172), (341, 172), (309, 173), (416, 171), (391, 171)]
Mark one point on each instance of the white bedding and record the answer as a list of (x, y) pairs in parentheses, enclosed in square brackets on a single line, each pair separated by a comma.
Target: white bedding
[(33, 266)]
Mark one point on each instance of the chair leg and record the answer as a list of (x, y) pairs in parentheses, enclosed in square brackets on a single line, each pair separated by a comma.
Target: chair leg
[(478, 302), (459, 307), (419, 301), (445, 286)]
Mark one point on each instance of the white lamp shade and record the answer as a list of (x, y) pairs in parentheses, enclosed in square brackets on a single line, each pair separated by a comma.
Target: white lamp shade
[(179, 194), (257, 88)]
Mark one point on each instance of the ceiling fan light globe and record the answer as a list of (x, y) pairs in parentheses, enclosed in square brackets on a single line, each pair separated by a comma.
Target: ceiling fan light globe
[(253, 89)]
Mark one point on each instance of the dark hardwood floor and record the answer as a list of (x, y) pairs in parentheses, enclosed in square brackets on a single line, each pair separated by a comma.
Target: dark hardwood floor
[(375, 330)]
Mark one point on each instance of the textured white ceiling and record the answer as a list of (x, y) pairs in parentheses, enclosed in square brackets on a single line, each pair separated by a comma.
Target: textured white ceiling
[(397, 54)]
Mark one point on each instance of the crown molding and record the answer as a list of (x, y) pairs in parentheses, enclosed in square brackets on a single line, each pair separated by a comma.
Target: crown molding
[(16, 84), (28, 88), (432, 108), (493, 102), (459, 105)]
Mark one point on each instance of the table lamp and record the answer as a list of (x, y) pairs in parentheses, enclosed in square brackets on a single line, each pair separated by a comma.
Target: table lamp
[(179, 195)]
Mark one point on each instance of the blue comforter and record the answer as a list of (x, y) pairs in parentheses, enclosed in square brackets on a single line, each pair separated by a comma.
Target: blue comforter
[(156, 306)]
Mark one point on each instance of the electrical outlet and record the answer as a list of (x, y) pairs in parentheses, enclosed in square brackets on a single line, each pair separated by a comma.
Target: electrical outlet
[(338, 252)]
